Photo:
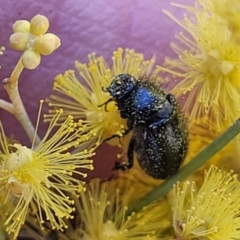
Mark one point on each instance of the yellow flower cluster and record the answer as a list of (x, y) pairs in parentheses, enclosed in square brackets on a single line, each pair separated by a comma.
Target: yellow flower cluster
[(31, 37), (210, 211), (39, 178), (207, 210), (102, 209), (228, 11), (207, 65)]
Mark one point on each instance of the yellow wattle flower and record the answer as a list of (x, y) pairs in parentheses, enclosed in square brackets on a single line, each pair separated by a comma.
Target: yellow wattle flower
[(102, 211), (6, 208), (228, 11), (39, 178), (208, 69), (209, 211), (201, 134), (84, 98), (141, 182)]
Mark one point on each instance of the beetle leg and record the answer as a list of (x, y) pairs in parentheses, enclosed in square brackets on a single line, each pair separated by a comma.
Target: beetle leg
[(113, 136), (125, 132), (130, 153), (104, 90), (105, 103)]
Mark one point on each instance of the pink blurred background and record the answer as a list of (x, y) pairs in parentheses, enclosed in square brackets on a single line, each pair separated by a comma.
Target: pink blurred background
[(84, 26)]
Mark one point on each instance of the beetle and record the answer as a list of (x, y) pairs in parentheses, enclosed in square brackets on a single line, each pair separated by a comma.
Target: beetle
[(160, 136)]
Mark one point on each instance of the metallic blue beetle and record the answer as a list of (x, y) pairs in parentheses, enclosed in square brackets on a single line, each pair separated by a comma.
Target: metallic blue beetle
[(160, 136)]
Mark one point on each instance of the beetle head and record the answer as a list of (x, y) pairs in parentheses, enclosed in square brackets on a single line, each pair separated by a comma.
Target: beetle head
[(121, 86)]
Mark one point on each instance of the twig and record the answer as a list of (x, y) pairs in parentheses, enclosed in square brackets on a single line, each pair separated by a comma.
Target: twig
[(11, 86), (6, 106)]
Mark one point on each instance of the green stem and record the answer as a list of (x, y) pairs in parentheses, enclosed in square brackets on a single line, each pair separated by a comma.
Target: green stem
[(161, 190)]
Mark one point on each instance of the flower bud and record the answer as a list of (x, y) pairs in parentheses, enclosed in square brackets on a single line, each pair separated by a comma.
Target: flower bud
[(47, 43), (39, 25), (18, 41), (31, 59), (21, 26)]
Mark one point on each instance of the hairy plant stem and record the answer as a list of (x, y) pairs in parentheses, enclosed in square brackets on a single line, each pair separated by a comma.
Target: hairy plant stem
[(161, 190)]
